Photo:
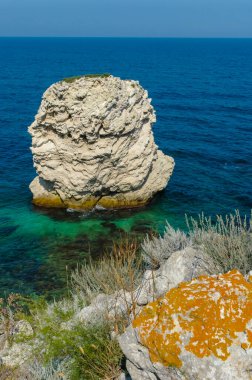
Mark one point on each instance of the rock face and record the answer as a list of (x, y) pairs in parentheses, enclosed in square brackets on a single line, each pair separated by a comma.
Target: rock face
[(155, 283), (201, 329), (93, 145)]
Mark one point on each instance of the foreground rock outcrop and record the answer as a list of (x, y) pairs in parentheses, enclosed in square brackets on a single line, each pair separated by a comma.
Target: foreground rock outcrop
[(201, 329), (93, 145), (155, 283), (182, 323)]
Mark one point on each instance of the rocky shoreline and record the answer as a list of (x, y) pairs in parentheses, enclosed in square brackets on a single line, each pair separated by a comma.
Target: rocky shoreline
[(178, 316)]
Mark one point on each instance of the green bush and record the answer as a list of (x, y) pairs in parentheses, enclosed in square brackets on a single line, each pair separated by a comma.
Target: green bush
[(74, 78), (90, 351), (86, 352)]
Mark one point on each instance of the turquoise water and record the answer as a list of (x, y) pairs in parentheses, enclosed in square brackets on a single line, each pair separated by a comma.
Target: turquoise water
[(201, 90)]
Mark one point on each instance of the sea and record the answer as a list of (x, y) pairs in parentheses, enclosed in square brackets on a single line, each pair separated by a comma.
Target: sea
[(201, 90)]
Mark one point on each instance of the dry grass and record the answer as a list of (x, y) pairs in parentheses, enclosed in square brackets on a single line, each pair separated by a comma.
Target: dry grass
[(52, 371), (228, 240), (159, 248), (119, 274), (121, 269), (10, 309)]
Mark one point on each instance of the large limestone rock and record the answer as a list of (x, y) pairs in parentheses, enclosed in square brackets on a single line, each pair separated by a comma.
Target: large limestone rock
[(201, 329), (93, 145)]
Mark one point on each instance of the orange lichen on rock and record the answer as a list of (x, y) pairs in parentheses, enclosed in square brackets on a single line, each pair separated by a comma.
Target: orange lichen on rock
[(204, 317)]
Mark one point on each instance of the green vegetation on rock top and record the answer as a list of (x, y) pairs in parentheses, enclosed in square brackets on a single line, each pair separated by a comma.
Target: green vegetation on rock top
[(74, 78)]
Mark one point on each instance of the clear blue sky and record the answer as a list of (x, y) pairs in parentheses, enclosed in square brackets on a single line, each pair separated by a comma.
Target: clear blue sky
[(155, 18)]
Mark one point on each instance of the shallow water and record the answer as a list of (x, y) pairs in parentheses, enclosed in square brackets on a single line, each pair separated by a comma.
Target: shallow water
[(201, 90)]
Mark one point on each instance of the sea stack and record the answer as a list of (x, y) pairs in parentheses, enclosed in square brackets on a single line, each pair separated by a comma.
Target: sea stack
[(93, 146)]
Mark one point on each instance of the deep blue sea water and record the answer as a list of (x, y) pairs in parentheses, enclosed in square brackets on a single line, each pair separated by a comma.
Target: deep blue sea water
[(202, 93)]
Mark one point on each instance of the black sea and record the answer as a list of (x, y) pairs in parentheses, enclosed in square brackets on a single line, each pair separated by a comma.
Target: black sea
[(202, 93)]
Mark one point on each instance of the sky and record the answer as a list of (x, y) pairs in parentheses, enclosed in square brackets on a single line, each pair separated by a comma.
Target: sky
[(126, 18)]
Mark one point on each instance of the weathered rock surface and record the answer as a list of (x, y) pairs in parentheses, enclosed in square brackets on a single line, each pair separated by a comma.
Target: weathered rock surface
[(183, 265), (16, 354), (93, 145), (197, 327), (201, 329), (189, 263)]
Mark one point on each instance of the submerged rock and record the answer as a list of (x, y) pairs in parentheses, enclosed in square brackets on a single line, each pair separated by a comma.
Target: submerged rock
[(93, 145)]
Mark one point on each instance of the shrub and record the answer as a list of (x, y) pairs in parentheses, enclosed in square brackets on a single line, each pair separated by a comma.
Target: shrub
[(54, 370), (11, 309), (36, 371), (88, 352), (96, 355), (63, 348), (121, 269), (158, 248), (228, 240), (119, 272)]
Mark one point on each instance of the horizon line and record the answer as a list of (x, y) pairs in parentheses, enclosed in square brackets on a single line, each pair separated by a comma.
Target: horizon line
[(133, 37)]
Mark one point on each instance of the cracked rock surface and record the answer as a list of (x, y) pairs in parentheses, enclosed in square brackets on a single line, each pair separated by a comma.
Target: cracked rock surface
[(92, 145)]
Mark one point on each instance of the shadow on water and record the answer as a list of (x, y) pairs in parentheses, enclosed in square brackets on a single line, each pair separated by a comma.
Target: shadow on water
[(71, 215)]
